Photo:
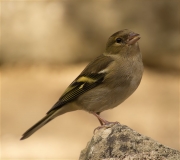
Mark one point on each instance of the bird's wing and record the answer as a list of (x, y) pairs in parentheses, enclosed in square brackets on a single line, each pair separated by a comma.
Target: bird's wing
[(92, 76)]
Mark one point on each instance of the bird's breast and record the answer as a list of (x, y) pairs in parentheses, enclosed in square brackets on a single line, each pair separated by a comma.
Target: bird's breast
[(117, 87)]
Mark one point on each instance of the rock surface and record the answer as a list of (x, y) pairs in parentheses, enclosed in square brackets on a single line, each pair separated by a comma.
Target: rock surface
[(119, 142)]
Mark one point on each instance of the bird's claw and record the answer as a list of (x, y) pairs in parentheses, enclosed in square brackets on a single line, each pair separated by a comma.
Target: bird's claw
[(105, 125)]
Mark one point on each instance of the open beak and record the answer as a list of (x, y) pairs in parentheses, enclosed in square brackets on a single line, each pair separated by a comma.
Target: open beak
[(133, 38)]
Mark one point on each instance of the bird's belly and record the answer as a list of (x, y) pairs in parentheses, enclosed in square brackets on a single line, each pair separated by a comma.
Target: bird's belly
[(104, 98)]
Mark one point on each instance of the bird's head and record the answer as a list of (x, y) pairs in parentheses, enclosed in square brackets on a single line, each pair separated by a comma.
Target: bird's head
[(122, 41)]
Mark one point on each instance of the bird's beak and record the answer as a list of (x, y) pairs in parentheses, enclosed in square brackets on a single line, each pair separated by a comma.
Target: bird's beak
[(133, 38)]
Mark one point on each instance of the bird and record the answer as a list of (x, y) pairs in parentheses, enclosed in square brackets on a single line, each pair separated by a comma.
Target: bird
[(105, 82)]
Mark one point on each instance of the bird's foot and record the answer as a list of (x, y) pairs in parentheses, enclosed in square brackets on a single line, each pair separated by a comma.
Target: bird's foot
[(103, 122), (105, 125)]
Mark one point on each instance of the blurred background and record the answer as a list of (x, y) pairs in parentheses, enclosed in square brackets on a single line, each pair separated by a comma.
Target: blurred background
[(46, 44)]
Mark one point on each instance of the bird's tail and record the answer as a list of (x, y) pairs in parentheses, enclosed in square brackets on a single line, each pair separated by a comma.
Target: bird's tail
[(38, 125)]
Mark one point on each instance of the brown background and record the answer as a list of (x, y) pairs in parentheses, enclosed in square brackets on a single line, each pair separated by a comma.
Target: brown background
[(46, 44)]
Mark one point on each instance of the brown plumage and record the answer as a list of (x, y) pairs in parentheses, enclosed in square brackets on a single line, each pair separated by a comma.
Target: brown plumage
[(105, 83)]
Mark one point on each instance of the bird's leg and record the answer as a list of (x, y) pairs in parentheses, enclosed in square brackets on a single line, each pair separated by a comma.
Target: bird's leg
[(98, 113), (101, 120)]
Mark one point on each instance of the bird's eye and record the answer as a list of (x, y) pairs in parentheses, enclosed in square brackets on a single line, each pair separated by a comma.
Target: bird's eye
[(118, 40)]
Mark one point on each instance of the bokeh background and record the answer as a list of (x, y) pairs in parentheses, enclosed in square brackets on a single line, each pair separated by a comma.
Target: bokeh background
[(46, 44)]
